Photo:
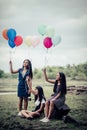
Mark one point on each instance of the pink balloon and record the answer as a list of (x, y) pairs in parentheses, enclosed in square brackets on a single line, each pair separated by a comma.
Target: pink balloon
[(18, 40), (35, 40), (47, 42)]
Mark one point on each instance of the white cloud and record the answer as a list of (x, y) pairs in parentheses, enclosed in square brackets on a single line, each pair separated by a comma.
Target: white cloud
[(68, 17)]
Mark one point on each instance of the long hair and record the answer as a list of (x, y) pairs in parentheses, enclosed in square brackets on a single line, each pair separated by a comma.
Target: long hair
[(29, 67), (40, 93), (62, 83)]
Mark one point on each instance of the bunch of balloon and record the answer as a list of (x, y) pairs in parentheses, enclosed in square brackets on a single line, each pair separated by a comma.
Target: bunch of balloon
[(50, 38), (10, 35), (31, 41), (13, 40)]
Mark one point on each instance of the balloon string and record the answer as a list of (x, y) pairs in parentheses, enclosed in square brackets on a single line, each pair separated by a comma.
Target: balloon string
[(46, 58), (10, 53)]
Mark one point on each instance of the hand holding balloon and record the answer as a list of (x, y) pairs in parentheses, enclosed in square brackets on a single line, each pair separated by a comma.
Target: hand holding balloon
[(44, 70), (10, 62)]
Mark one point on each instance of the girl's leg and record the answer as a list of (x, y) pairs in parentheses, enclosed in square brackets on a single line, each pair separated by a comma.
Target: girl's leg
[(51, 107), (20, 103), (25, 113), (47, 104), (25, 103), (34, 114)]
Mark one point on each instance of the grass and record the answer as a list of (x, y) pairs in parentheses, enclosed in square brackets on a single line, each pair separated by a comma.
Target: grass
[(9, 109)]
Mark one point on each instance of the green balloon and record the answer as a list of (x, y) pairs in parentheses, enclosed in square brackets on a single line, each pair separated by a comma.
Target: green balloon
[(50, 31), (42, 29)]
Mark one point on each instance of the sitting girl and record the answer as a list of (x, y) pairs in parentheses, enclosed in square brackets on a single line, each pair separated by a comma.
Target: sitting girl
[(39, 102), (58, 98)]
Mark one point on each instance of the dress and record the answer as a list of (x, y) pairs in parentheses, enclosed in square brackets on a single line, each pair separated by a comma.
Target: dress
[(61, 100), (22, 86), (38, 104)]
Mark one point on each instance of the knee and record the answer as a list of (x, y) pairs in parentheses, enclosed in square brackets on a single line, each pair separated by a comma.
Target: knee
[(25, 99), (51, 103), (23, 111)]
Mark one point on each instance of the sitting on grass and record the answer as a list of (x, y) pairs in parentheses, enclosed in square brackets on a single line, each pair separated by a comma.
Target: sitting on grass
[(39, 102)]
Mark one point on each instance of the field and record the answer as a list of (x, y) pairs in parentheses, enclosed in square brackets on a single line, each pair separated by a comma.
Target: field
[(9, 109)]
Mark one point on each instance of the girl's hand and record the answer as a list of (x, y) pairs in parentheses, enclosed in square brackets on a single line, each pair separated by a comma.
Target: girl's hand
[(44, 70), (10, 62)]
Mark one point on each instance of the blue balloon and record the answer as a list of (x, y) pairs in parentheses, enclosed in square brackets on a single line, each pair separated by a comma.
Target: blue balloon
[(11, 43), (56, 39), (11, 33)]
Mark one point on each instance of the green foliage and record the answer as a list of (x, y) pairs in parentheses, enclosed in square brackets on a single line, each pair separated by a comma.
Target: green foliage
[(1, 73), (72, 71)]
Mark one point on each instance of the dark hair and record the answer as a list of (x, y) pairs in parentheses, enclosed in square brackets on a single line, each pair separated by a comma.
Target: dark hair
[(29, 67), (40, 92), (62, 83)]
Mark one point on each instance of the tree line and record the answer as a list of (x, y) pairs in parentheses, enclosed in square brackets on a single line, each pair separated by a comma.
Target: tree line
[(74, 72)]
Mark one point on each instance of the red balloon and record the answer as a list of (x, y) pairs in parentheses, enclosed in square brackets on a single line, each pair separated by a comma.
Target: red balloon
[(18, 40), (47, 42), (4, 34)]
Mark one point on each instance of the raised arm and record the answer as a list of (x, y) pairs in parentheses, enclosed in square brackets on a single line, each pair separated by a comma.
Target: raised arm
[(46, 78), (11, 68)]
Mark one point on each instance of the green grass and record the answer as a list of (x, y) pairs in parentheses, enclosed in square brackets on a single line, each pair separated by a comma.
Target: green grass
[(9, 110)]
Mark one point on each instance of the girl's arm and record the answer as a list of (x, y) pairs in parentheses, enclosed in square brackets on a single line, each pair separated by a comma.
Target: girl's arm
[(58, 95), (11, 68), (46, 78), (41, 108), (29, 83)]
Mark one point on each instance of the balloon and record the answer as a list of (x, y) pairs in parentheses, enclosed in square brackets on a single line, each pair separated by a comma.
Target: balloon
[(4, 34), (11, 43), (56, 39), (42, 29), (11, 33), (47, 42), (28, 41), (35, 40), (18, 40), (50, 31)]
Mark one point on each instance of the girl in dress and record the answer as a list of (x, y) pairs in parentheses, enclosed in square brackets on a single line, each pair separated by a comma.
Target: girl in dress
[(25, 77), (58, 98)]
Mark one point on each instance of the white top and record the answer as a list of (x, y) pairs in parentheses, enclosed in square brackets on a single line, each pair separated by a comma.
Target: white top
[(37, 102)]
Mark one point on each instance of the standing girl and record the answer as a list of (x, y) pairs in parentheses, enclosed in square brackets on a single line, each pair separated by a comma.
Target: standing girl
[(39, 102), (58, 98), (25, 77)]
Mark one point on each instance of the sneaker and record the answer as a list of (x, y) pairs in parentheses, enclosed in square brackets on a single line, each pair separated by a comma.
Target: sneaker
[(46, 120), (43, 119), (19, 114)]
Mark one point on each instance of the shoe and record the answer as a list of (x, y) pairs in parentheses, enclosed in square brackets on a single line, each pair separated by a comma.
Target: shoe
[(29, 98), (20, 115), (45, 120)]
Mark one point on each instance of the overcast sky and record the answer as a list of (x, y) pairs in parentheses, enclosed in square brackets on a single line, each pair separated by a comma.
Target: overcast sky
[(69, 19)]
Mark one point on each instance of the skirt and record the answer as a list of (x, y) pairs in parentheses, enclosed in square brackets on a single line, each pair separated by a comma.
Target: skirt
[(58, 102)]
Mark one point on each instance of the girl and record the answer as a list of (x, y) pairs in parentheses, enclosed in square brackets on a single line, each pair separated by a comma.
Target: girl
[(58, 98), (25, 77), (39, 102)]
